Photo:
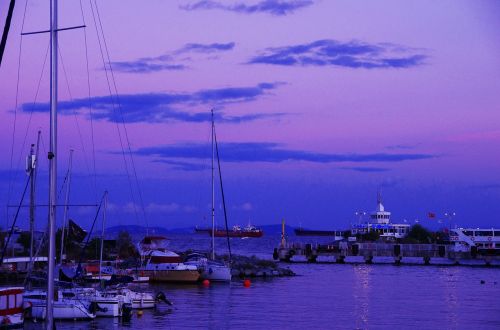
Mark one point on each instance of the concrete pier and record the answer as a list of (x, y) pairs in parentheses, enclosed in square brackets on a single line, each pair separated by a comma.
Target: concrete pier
[(368, 253)]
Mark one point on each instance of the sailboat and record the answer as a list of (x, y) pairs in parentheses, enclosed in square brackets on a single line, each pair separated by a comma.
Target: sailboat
[(103, 303), (65, 306), (51, 304), (110, 304), (211, 269), (54, 46), (72, 303)]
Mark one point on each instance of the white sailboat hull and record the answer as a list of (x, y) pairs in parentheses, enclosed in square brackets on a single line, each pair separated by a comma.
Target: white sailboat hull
[(216, 273), (63, 310), (211, 270), (109, 303)]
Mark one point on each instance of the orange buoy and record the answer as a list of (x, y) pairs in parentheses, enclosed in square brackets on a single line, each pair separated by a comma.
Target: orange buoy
[(206, 283), (246, 283), (139, 313)]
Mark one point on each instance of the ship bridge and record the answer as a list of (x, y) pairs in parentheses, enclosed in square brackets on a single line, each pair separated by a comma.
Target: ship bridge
[(380, 215), (380, 222)]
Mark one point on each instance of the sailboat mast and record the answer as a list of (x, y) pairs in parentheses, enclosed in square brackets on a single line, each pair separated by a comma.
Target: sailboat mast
[(30, 167), (213, 189), (6, 28), (102, 235), (222, 193), (52, 163), (66, 203)]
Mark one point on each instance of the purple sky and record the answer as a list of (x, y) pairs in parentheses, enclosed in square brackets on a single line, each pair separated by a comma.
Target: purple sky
[(319, 104)]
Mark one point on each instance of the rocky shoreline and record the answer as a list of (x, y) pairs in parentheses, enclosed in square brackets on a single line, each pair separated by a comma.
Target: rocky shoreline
[(244, 266)]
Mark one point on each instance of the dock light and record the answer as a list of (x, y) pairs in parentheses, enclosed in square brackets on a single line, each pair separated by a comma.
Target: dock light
[(360, 215), (206, 283), (247, 283)]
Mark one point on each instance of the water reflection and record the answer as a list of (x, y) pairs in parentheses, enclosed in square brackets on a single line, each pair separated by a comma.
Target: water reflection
[(361, 295), (325, 296), (448, 278)]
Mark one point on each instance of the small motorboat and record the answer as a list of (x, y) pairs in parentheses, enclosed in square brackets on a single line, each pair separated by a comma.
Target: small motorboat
[(163, 265)]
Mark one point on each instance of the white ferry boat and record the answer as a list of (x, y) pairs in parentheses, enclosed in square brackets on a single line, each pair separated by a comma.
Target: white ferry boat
[(484, 241), (380, 222)]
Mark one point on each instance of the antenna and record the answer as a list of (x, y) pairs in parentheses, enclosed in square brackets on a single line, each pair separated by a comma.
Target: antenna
[(379, 196)]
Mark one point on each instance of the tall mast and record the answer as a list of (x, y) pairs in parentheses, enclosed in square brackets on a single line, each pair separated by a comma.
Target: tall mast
[(31, 165), (30, 169), (102, 235), (66, 203), (222, 193), (52, 163), (213, 189), (6, 28)]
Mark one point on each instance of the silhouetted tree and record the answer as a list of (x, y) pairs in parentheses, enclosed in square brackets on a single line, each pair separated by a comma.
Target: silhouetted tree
[(371, 236), (419, 234), (125, 246), (24, 240)]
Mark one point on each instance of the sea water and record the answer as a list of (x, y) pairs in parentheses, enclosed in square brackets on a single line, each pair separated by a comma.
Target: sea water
[(322, 296)]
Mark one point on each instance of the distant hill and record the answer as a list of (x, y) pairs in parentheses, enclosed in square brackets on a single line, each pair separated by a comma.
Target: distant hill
[(135, 230)]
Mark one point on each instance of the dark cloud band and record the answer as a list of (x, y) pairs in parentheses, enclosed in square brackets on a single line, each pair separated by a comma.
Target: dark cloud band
[(162, 107), (168, 61), (366, 169), (353, 54), (207, 48), (272, 153), (273, 7)]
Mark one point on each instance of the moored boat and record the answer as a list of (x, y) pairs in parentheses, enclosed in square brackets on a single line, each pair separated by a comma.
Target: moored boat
[(103, 303), (66, 306), (211, 270), (11, 307), (167, 266), (139, 300), (163, 265), (483, 241)]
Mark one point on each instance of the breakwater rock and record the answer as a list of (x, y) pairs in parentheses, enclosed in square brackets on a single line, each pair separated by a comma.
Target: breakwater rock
[(243, 266)]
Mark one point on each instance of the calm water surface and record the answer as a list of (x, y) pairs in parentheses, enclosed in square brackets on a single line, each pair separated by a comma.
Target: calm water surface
[(326, 296)]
